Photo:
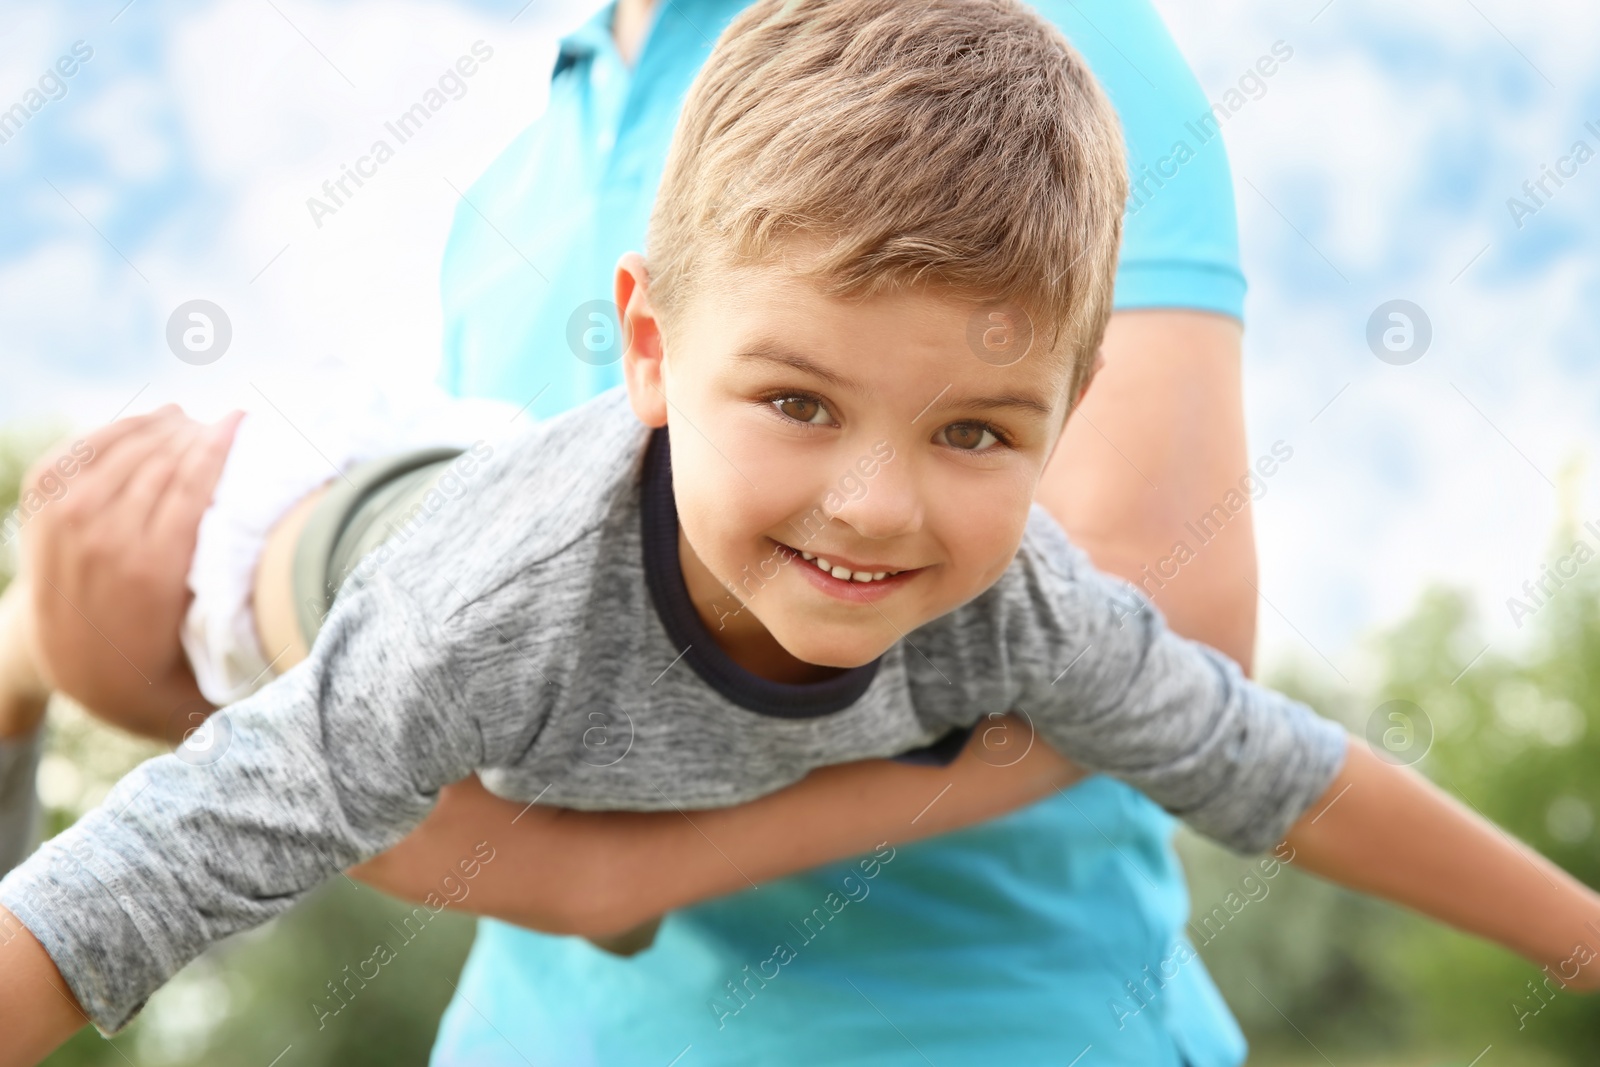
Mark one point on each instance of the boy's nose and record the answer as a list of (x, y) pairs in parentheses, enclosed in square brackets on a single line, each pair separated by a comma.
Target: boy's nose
[(886, 506)]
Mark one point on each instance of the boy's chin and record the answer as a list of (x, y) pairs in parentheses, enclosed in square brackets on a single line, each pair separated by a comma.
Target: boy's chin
[(843, 652)]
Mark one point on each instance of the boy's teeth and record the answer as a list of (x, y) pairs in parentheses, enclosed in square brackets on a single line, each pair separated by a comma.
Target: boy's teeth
[(807, 555), (845, 574)]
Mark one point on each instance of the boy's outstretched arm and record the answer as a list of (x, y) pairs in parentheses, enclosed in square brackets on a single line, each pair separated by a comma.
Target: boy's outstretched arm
[(331, 764), (37, 1010), (1385, 830)]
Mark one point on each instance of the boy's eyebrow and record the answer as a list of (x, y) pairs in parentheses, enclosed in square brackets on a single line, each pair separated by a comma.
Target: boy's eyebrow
[(773, 352), (1004, 400)]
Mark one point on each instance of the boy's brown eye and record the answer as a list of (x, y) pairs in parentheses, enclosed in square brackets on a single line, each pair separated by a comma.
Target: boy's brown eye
[(968, 436), (799, 408)]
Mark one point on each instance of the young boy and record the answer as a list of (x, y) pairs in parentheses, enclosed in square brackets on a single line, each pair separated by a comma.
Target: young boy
[(879, 267)]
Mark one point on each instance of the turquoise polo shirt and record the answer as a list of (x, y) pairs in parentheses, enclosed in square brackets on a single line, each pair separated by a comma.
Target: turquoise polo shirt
[(1052, 935)]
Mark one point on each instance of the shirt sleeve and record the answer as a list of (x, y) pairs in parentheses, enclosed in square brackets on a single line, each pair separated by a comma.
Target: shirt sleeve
[(331, 764), (19, 800), (1180, 237), (1109, 685)]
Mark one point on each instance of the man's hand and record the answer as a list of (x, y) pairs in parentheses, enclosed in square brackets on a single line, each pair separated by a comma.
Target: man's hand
[(107, 560)]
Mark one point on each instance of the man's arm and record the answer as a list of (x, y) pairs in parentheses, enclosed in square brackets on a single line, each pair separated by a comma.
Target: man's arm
[(598, 873), (1156, 442)]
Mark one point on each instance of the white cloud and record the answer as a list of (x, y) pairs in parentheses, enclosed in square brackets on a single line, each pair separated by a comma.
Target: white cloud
[(1391, 141)]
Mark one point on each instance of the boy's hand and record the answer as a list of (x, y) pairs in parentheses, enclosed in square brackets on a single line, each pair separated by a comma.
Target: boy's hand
[(599, 873), (108, 556)]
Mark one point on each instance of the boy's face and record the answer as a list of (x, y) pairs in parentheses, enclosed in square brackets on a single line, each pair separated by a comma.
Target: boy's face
[(866, 433)]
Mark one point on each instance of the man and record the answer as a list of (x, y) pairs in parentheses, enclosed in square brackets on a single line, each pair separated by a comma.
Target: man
[(1007, 942)]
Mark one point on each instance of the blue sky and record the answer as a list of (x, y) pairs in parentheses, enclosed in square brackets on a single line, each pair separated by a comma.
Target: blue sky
[(1377, 165)]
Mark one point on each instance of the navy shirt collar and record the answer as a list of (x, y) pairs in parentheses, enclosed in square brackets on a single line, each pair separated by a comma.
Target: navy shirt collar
[(687, 631)]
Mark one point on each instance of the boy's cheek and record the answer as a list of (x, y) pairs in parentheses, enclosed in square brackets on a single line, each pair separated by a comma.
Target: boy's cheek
[(983, 538)]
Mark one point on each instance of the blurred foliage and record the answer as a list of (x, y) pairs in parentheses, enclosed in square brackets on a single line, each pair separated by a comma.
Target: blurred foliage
[(1517, 737), (1316, 975), (19, 446)]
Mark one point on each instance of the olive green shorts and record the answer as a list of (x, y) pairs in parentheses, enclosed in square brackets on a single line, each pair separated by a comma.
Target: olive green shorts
[(375, 501)]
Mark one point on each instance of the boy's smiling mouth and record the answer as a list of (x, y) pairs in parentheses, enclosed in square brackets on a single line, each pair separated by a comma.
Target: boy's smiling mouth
[(849, 580)]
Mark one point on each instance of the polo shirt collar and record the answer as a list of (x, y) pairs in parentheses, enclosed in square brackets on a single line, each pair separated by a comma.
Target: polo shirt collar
[(588, 39)]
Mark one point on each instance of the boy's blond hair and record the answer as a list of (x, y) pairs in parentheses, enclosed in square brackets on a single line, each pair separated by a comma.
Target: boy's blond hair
[(954, 144)]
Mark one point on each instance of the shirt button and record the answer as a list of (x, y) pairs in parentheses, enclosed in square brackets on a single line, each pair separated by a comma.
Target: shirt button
[(605, 140)]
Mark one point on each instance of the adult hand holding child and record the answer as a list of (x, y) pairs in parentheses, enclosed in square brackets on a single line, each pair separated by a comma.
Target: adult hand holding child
[(105, 565)]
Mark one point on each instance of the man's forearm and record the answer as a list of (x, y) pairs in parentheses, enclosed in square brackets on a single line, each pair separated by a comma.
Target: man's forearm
[(1387, 831), (595, 873)]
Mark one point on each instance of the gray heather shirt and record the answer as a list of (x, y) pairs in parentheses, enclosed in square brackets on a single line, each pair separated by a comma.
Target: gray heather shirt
[(536, 629)]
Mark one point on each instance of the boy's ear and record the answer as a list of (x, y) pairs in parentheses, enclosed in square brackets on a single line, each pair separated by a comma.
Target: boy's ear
[(642, 350), (1088, 379)]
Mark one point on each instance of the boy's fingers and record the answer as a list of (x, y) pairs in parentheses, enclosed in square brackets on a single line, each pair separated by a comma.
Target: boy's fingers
[(176, 517)]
